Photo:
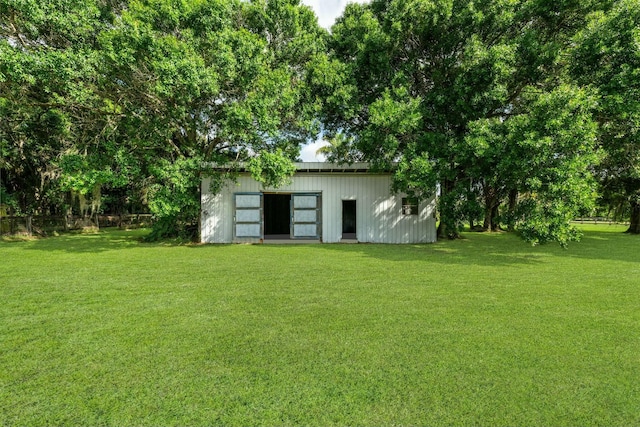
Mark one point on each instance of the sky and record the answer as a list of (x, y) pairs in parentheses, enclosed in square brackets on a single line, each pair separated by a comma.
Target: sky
[(327, 11)]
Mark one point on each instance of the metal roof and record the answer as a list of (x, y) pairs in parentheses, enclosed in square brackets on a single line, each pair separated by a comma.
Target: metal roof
[(309, 167), (332, 167)]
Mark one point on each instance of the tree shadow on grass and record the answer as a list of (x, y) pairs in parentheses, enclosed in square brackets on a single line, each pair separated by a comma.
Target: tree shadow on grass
[(94, 242), (503, 249), (465, 251), (606, 245), (473, 249)]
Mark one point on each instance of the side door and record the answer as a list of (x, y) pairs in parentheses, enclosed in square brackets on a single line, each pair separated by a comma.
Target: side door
[(305, 216)]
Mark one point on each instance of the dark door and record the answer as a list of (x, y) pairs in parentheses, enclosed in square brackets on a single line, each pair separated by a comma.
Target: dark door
[(277, 221), (348, 219)]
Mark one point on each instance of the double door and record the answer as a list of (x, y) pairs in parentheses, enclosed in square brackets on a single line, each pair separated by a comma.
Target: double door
[(259, 216)]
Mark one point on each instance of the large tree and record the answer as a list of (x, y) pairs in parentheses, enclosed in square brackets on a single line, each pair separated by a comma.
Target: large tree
[(607, 58), (46, 69), (213, 81), (453, 90), (104, 95)]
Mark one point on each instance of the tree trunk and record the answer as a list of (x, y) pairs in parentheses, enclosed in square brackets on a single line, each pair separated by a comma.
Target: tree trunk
[(495, 224), (491, 205), (490, 217), (443, 231), (29, 226), (513, 202), (96, 202), (199, 236), (634, 226), (446, 228), (487, 218)]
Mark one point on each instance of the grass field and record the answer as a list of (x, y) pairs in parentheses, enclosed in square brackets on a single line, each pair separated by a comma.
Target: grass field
[(104, 330)]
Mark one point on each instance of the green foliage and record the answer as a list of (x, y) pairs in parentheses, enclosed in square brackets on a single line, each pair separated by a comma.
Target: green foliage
[(544, 153), (273, 170), (47, 67), (606, 57), (547, 222), (493, 101), (472, 96), (131, 95), (394, 119), (80, 177), (173, 198), (8, 200), (210, 81)]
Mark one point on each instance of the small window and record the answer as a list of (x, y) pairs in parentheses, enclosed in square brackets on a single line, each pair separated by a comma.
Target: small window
[(409, 206)]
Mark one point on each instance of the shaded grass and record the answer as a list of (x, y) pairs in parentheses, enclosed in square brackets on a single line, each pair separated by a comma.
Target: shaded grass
[(102, 329)]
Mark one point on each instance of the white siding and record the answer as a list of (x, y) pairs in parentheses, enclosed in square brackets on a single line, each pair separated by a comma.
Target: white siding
[(379, 213)]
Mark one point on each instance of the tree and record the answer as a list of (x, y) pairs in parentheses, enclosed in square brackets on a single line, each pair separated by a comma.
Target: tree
[(214, 81), (543, 155), (442, 87), (106, 95), (607, 59), (45, 66)]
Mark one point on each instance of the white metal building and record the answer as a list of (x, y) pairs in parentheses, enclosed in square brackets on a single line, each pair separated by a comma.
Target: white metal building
[(324, 203)]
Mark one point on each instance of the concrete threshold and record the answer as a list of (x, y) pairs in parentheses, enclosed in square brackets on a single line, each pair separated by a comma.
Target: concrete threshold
[(289, 242)]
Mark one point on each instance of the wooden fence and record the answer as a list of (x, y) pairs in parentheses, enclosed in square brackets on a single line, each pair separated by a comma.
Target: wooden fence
[(37, 224), (599, 220)]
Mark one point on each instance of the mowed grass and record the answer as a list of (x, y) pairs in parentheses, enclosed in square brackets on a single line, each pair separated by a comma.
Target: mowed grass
[(104, 330)]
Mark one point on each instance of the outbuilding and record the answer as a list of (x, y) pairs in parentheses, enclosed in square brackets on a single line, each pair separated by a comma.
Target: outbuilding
[(324, 202)]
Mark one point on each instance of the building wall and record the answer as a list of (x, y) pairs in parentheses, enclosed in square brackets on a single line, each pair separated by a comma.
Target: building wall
[(379, 213)]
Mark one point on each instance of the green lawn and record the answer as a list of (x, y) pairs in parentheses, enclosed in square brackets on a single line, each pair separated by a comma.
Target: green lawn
[(105, 330)]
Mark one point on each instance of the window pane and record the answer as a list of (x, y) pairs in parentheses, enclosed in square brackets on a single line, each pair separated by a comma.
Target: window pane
[(409, 206)]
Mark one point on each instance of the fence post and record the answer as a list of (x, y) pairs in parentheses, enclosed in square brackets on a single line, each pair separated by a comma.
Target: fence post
[(29, 224)]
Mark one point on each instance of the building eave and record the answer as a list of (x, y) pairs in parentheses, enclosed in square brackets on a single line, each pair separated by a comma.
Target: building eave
[(306, 167)]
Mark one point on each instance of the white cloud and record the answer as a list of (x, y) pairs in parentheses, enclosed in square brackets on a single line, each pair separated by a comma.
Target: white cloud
[(308, 152), (329, 10)]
